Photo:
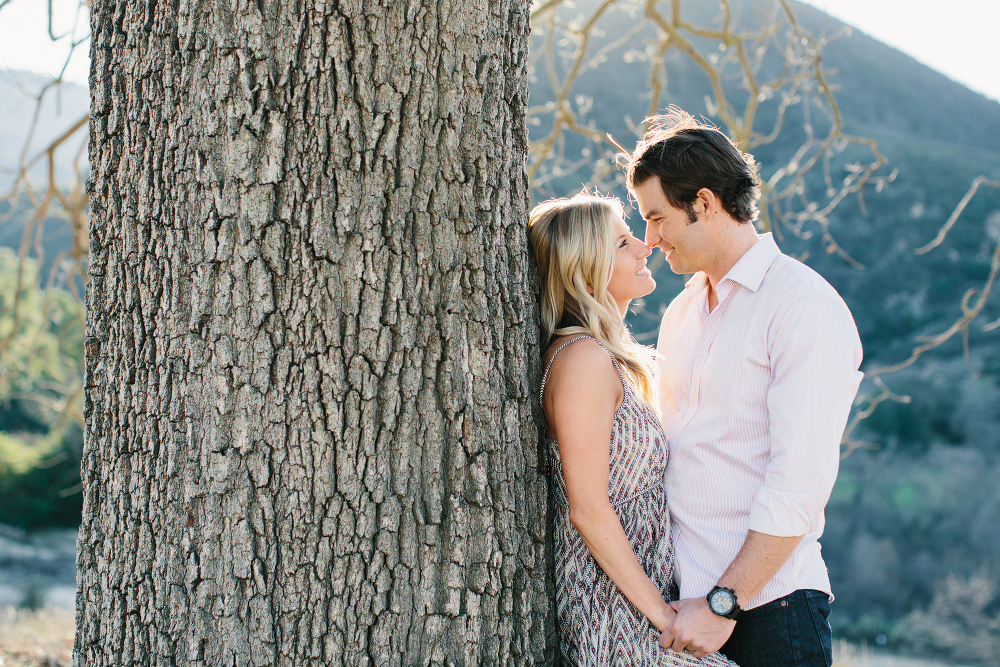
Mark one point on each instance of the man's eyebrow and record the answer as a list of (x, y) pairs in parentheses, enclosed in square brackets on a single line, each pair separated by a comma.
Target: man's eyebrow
[(651, 214)]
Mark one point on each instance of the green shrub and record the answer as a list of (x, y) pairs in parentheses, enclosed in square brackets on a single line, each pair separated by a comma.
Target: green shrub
[(39, 481), (41, 375)]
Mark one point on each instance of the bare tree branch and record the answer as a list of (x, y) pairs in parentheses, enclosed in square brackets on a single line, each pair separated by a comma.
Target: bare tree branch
[(870, 402), (961, 325), (36, 201), (953, 218)]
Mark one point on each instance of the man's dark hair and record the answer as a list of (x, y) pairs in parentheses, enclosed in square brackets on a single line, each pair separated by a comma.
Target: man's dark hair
[(687, 156)]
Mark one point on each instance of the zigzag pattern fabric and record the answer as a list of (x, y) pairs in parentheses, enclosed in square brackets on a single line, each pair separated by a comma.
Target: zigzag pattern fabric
[(598, 625)]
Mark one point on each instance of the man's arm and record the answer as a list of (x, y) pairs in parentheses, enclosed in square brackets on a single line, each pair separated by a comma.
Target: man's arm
[(699, 631), (758, 561), (815, 354)]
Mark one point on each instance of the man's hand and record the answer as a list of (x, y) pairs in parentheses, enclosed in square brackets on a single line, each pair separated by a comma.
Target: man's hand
[(696, 629)]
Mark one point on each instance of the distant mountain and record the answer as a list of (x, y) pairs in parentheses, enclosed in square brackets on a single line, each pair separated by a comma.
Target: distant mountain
[(939, 135), (62, 107)]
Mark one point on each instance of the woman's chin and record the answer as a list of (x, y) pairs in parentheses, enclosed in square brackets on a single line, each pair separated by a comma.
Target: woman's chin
[(648, 286)]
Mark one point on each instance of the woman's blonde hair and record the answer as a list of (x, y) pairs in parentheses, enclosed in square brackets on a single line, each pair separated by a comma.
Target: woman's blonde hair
[(573, 241)]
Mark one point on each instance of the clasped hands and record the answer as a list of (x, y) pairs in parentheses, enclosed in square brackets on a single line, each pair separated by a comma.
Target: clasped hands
[(695, 629)]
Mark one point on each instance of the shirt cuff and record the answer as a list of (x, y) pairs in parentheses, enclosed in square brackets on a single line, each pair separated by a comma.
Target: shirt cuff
[(783, 513)]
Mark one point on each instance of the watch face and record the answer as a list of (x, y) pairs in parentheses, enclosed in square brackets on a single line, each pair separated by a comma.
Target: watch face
[(722, 602)]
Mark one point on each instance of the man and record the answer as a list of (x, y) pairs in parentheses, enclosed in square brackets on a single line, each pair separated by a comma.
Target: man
[(760, 360)]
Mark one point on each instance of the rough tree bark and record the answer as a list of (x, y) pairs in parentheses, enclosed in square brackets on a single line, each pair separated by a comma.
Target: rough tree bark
[(311, 338)]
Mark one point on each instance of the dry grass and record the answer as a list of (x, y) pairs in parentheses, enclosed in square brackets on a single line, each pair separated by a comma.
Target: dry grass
[(45, 639), (848, 655), (41, 638)]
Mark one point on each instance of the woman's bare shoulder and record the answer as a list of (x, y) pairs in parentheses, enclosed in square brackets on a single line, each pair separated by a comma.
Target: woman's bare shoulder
[(583, 364)]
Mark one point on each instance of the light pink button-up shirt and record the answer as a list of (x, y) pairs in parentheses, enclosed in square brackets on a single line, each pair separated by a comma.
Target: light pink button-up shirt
[(755, 397)]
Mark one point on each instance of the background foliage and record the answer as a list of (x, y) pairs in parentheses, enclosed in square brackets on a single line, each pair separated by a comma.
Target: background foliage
[(41, 348)]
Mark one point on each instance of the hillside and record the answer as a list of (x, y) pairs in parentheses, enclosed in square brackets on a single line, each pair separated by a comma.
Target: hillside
[(940, 136), (63, 106)]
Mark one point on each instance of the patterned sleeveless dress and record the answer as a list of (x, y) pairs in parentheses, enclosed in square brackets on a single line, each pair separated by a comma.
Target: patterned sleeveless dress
[(598, 625)]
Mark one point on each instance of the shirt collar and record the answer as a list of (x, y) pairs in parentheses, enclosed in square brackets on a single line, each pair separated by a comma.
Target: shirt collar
[(697, 285), (751, 268), (748, 271)]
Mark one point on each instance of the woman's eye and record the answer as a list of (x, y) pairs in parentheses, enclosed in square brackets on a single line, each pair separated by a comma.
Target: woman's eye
[(624, 243)]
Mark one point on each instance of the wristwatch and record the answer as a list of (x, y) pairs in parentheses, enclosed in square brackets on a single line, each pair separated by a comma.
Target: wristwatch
[(722, 602)]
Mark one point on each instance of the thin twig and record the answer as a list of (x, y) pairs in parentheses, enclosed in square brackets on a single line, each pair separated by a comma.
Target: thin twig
[(953, 218)]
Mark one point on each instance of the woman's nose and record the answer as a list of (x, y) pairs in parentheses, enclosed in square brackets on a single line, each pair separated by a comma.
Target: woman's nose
[(644, 250)]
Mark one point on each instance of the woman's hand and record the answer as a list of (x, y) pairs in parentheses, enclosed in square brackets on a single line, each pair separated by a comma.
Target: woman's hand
[(665, 619), (696, 629)]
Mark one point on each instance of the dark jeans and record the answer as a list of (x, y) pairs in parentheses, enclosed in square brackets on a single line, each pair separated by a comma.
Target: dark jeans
[(789, 632)]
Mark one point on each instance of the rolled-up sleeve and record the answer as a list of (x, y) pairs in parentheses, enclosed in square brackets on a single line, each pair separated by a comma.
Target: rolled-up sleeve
[(815, 354)]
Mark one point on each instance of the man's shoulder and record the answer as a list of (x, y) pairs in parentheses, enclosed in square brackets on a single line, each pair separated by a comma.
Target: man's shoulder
[(800, 294), (788, 279)]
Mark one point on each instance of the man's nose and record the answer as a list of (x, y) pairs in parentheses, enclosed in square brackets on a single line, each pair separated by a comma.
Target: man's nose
[(652, 238)]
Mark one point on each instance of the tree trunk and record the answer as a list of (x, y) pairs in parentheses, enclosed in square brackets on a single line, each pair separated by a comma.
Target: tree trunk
[(312, 338)]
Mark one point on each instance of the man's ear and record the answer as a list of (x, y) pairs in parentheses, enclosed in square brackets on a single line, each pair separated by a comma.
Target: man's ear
[(707, 202)]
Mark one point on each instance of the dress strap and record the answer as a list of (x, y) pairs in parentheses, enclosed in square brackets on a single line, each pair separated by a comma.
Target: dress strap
[(548, 367)]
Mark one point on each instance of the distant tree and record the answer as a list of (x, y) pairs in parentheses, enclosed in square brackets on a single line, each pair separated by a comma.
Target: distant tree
[(42, 338), (39, 440), (961, 622), (43, 195)]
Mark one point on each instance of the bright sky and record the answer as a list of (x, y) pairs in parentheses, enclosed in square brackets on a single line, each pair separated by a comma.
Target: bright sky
[(24, 37), (956, 37)]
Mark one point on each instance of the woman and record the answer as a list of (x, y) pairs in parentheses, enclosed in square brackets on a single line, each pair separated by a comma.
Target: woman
[(614, 555)]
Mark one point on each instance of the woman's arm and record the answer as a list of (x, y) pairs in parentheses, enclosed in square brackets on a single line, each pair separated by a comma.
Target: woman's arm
[(582, 394)]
